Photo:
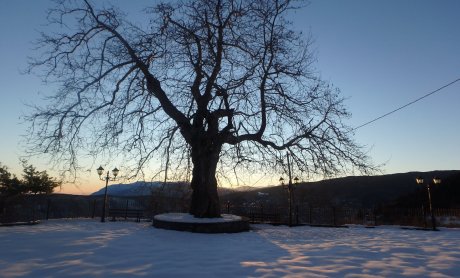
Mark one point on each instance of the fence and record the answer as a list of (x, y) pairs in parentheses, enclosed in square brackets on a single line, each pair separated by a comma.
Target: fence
[(27, 208), (304, 214), (40, 207), (43, 207)]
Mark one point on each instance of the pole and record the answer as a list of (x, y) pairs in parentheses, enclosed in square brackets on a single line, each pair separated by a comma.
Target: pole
[(105, 198), (334, 217), (94, 209), (424, 216), (48, 205), (433, 220), (289, 190), (297, 214), (228, 207)]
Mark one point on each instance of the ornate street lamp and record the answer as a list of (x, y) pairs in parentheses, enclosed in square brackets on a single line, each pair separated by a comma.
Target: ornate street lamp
[(435, 181), (100, 172)]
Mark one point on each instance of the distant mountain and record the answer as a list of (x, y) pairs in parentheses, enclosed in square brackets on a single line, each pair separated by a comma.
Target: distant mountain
[(139, 188), (353, 191), (230, 190), (444, 195), (143, 188)]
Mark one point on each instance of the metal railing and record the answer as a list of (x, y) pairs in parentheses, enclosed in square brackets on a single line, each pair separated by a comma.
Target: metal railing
[(41, 207), (304, 214)]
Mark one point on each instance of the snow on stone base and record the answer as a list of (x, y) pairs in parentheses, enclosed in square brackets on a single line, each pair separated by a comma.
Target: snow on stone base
[(188, 218)]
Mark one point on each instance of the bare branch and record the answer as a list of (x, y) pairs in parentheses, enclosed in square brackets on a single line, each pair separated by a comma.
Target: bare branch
[(230, 76)]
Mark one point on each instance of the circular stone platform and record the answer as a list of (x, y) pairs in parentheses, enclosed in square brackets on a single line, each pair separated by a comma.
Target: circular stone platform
[(228, 223)]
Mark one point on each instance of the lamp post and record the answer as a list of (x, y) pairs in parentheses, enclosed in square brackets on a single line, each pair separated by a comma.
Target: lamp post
[(100, 171), (289, 187), (435, 181)]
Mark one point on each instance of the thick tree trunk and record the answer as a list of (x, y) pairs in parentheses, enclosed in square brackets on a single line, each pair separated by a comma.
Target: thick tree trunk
[(205, 200)]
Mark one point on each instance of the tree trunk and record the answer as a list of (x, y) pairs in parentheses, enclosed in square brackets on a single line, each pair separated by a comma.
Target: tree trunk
[(205, 200)]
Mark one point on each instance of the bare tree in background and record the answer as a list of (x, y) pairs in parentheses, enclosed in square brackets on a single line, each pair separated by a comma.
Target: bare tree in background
[(226, 81)]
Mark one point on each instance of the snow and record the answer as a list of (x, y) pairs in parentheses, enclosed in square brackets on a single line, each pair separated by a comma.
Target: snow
[(88, 248), (139, 188), (188, 218)]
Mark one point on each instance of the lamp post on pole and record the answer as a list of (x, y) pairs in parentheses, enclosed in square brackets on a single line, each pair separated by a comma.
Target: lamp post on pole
[(435, 181), (289, 187), (100, 171)]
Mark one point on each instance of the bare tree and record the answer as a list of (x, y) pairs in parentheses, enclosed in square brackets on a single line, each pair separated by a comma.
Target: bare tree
[(221, 80)]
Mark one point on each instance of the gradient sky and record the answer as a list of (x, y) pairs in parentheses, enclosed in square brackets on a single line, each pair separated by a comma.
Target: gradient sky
[(381, 54)]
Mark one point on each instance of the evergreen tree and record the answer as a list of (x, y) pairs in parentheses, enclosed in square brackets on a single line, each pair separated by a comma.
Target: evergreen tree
[(37, 182), (33, 182), (9, 183)]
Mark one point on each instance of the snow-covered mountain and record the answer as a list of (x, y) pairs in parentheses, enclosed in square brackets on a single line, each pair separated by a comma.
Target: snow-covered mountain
[(139, 188), (143, 188)]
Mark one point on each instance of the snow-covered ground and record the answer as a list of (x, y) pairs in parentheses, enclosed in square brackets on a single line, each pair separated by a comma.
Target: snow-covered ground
[(88, 248)]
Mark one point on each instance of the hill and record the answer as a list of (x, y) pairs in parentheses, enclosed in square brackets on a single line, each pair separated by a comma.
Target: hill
[(139, 188), (143, 188), (353, 191)]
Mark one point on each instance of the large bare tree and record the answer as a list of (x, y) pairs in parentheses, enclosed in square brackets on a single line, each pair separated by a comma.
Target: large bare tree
[(218, 80)]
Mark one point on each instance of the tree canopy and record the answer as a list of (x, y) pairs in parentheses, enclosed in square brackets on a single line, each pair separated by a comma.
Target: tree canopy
[(9, 183), (220, 84), (32, 182)]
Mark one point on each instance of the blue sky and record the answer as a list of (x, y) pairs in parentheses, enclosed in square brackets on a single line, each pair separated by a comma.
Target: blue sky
[(384, 54), (381, 54)]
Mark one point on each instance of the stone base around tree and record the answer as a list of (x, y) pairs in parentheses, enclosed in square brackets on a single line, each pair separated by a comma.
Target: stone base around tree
[(186, 222)]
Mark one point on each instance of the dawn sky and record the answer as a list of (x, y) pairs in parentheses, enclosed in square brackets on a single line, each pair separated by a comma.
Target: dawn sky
[(381, 54)]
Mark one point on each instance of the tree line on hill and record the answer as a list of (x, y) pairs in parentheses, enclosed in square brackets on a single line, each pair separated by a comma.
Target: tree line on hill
[(393, 190), (444, 195), (32, 181), (396, 190)]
